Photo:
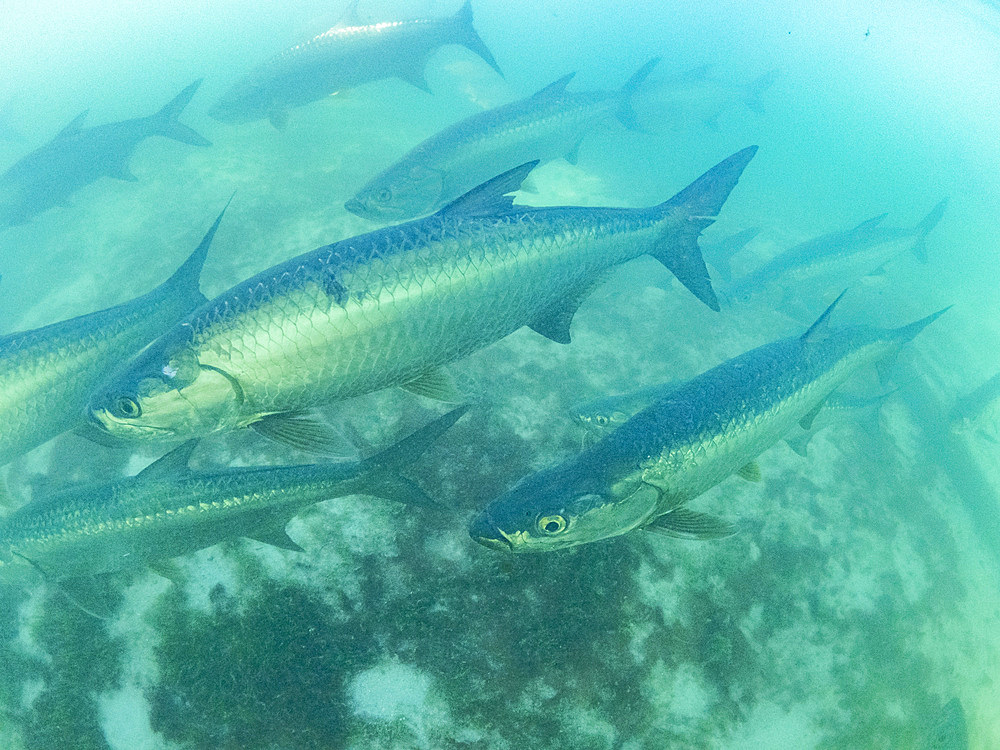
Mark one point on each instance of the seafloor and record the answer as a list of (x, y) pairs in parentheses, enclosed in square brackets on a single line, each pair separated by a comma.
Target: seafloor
[(861, 594)]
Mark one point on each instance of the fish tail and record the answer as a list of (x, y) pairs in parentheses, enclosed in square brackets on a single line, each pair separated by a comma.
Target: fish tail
[(165, 121), (187, 277), (696, 206), (924, 228), (468, 36), (625, 113), (382, 477)]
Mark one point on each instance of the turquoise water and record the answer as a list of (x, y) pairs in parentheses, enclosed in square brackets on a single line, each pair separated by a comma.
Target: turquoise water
[(859, 597)]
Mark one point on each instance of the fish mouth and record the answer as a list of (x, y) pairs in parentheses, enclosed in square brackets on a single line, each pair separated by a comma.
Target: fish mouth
[(357, 208), (483, 531)]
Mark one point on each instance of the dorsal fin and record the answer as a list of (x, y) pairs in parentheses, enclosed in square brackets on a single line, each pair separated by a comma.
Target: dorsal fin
[(555, 88), (822, 322), (172, 464), (492, 197), (74, 125)]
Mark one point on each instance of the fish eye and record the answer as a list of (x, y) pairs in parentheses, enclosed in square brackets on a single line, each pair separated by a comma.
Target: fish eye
[(126, 407), (384, 195), (601, 419), (552, 525)]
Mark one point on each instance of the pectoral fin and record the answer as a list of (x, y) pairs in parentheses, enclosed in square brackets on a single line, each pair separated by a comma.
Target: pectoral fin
[(435, 383), (682, 523), (303, 433), (750, 472), (92, 595)]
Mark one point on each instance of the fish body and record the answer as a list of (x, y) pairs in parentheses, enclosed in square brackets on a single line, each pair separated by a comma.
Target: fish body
[(391, 306), (610, 412), (643, 474), (342, 58), (547, 125), (978, 409), (169, 510), (78, 156), (836, 259), (47, 374)]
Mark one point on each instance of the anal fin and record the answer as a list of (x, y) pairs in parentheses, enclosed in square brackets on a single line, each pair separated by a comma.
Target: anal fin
[(682, 523), (275, 535), (555, 321), (807, 421)]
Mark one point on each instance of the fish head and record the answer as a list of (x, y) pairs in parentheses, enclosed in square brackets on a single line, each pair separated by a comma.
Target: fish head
[(562, 507), (166, 393), (399, 194)]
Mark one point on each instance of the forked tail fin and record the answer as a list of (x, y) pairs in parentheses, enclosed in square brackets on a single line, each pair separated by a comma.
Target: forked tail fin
[(468, 36), (697, 206), (625, 113), (165, 121)]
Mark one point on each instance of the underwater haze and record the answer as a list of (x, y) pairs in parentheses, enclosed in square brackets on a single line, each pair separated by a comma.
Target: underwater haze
[(839, 590)]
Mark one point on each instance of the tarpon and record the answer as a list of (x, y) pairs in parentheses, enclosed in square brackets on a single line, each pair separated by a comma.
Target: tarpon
[(979, 410), (168, 509), (549, 124), (610, 412), (78, 156), (643, 474), (390, 307), (48, 374), (836, 259), (344, 57)]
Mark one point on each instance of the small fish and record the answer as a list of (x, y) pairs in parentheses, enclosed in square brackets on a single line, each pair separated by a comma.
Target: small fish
[(698, 94), (642, 475), (547, 125), (720, 254), (342, 58), (836, 259), (78, 156), (168, 510), (390, 307), (47, 374), (978, 410)]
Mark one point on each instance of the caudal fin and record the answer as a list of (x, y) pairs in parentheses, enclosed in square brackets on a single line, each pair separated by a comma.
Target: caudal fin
[(469, 37), (924, 228), (696, 206), (625, 113), (382, 470), (165, 121)]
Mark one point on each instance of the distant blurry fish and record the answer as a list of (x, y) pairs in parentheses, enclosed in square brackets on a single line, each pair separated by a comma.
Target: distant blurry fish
[(342, 58), (390, 307), (837, 259), (979, 410), (549, 124), (720, 254), (698, 94), (643, 474), (47, 374), (168, 510), (78, 156), (610, 412)]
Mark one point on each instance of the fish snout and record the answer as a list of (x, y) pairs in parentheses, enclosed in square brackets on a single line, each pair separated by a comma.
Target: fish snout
[(356, 207), (484, 532)]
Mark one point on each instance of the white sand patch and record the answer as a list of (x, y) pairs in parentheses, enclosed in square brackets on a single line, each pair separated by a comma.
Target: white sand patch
[(770, 727), (124, 716), (663, 593)]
